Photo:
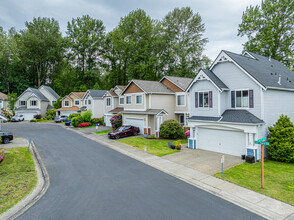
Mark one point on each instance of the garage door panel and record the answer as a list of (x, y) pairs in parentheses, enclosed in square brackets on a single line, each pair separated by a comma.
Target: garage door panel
[(222, 141), (135, 122), (27, 115)]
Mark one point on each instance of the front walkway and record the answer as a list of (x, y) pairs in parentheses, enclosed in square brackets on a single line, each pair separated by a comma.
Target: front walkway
[(204, 161)]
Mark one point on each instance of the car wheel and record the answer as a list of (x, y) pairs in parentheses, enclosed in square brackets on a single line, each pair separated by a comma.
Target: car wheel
[(6, 140), (135, 133), (117, 136)]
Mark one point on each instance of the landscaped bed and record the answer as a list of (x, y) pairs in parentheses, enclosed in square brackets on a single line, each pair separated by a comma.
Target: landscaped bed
[(158, 147), (278, 179), (101, 132), (17, 177)]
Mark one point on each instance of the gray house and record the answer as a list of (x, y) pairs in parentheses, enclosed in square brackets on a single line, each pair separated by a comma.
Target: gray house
[(234, 102), (35, 101)]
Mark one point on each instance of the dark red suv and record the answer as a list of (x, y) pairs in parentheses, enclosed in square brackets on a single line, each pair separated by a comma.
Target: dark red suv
[(124, 131)]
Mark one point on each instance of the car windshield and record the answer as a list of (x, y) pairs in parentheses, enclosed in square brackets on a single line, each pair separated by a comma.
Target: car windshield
[(120, 129)]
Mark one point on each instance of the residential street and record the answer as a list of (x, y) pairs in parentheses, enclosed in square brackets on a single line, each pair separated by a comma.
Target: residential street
[(90, 181)]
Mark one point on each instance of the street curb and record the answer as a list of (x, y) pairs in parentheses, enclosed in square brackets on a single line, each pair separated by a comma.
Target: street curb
[(40, 189), (151, 161)]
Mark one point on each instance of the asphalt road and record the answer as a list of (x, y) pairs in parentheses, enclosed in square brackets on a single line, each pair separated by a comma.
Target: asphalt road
[(90, 181)]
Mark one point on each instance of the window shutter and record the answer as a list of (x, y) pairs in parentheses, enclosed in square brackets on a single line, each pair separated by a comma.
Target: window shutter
[(196, 99), (210, 99), (251, 101), (233, 99)]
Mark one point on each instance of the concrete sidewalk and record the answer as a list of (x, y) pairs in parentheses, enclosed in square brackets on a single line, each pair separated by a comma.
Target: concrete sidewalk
[(255, 202), (16, 142)]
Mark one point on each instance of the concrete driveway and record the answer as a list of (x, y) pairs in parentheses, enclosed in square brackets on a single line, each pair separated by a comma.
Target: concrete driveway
[(204, 161)]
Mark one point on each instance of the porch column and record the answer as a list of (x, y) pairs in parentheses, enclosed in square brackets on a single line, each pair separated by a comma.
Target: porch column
[(185, 120)]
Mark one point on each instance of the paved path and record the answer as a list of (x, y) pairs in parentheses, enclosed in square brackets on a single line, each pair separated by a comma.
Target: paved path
[(91, 181)]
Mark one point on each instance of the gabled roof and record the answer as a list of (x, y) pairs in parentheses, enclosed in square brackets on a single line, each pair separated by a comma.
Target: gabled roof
[(38, 94), (3, 96), (96, 93), (150, 86), (264, 70), (180, 82), (233, 116), (50, 90), (79, 94), (110, 93), (73, 108), (120, 87), (117, 110)]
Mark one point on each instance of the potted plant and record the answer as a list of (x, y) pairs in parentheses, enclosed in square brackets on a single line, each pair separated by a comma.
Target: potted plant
[(178, 145)]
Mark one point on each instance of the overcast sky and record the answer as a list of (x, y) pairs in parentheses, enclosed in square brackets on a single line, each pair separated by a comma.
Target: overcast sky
[(221, 17)]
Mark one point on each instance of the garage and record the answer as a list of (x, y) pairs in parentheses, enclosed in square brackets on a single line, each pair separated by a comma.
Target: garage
[(136, 122), (222, 141), (107, 120), (27, 115)]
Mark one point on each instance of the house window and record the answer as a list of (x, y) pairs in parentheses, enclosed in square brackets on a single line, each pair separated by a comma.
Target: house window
[(121, 101), (180, 100), (242, 99), (89, 102), (108, 101), (33, 103), (22, 103), (203, 100), (182, 121), (66, 103), (86, 102), (77, 102), (129, 100), (139, 100)]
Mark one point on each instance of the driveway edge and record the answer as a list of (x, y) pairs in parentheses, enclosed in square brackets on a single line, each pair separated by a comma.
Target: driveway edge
[(40, 189), (252, 201)]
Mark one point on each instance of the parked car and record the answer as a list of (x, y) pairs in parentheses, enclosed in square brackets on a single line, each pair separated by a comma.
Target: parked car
[(6, 137), (60, 118), (124, 131), (68, 123), (17, 118)]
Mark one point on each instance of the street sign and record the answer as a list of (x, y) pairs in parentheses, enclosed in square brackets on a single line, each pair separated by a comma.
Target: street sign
[(261, 139), (256, 142), (265, 143)]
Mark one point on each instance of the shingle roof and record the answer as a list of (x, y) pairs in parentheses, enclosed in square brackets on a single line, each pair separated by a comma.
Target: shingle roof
[(112, 93), (79, 94), (25, 108), (3, 96), (73, 108), (215, 79), (121, 87), (181, 82), (152, 86), (117, 110), (39, 94), (52, 91), (265, 71), (97, 93), (232, 115)]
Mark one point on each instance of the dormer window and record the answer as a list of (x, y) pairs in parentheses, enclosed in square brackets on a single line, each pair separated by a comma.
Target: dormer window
[(33, 103), (22, 103), (108, 101), (66, 103), (203, 100), (77, 102)]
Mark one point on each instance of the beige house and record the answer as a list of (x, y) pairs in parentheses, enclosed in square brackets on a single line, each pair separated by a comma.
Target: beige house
[(72, 103), (149, 103), (113, 103), (3, 100)]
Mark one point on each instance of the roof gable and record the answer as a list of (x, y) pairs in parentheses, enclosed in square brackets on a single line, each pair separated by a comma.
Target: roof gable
[(181, 82), (132, 87), (3, 96)]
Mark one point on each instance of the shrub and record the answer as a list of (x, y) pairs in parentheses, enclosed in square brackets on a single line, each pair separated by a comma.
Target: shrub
[(51, 112), (37, 116), (116, 121), (75, 121), (87, 115), (171, 129), (33, 120), (99, 121), (152, 136), (281, 146), (178, 145), (84, 125), (73, 115)]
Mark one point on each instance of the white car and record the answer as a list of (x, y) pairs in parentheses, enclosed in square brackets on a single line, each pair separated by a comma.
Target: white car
[(17, 118)]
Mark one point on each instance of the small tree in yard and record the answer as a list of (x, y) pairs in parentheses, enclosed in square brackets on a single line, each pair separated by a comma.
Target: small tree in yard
[(116, 121), (171, 129), (87, 116), (281, 146)]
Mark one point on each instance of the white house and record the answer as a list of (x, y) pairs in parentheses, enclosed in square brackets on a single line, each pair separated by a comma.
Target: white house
[(93, 100), (234, 102), (35, 101)]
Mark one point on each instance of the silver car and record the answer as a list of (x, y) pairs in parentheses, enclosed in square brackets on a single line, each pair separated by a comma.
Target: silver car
[(60, 118)]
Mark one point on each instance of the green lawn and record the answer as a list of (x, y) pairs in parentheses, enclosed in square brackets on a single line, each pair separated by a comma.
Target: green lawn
[(91, 126), (278, 179), (157, 147), (102, 132), (45, 121), (17, 177)]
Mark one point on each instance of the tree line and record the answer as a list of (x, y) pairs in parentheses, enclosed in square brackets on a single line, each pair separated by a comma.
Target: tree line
[(139, 47)]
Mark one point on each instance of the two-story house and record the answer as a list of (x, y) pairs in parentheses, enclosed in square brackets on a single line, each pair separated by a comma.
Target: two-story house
[(3, 101), (113, 103), (35, 101), (71, 103), (148, 103), (233, 103), (93, 100)]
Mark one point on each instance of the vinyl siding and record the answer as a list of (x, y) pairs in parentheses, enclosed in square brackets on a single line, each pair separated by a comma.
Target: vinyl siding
[(134, 106), (97, 108), (166, 102)]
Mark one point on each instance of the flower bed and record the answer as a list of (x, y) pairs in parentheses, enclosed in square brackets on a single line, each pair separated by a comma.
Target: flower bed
[(2, 152), (82, 125)]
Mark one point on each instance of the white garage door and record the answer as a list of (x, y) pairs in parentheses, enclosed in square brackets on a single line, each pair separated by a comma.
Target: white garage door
[(136, 122), (28, 115), (107, 120), (227, 142)]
